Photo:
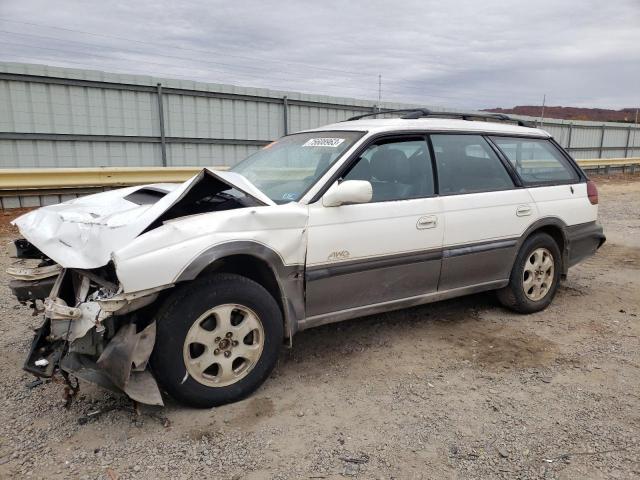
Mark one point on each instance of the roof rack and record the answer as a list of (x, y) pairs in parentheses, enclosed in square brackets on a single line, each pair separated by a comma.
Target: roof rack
[(424, 111), (414, 113)]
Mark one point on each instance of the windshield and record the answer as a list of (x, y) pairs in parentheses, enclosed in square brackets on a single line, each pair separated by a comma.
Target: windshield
[(286, 168)]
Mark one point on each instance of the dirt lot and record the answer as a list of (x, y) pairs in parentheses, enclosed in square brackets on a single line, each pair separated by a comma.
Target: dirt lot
[(459, 389)]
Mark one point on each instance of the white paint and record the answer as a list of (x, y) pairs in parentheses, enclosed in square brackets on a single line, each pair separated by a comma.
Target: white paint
[(85, 232), (372, 229), (475, 217), (559, 201), (349, 191), (159, 256)]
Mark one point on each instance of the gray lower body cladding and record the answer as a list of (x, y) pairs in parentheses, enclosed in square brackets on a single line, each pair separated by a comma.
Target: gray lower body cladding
[(349, 286), (362, 282), (582, 241), (477, 264)]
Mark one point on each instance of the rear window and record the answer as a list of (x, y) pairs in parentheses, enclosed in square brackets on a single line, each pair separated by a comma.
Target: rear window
[(467, 164), (537, 161)]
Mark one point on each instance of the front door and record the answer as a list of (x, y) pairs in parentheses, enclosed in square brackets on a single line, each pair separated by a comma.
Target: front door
[(388, 249)]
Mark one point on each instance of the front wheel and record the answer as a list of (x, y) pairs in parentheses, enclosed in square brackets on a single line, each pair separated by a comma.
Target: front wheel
[(218, 339), (535, 275)]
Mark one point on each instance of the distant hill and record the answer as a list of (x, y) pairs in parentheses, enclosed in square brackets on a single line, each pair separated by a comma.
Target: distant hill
[(626, 115)]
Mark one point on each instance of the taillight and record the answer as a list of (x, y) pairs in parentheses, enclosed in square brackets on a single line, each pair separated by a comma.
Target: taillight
[(592, 192)]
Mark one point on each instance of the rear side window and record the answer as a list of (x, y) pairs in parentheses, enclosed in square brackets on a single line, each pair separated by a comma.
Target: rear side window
[(537, 161), (467, 164)]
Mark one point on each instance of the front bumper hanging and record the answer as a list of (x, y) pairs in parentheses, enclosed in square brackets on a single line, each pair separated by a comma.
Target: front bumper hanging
[(99, 340)]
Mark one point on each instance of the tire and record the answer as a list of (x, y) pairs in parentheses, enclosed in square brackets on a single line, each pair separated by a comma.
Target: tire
[(532, 285), (217, 340)]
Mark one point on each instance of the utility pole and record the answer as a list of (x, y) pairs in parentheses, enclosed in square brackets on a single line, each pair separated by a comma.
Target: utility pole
[(380, 89), (635, 127), (544, 99)]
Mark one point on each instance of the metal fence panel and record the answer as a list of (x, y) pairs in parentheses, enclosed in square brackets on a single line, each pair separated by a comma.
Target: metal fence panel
[(579, 154), (29, 107), (305, 117), (202, 117), (66, 154), (585, 137), (615, 138), (559, 132)]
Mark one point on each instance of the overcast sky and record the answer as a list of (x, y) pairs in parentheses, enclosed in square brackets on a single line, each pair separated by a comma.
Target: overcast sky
[(456, 53)]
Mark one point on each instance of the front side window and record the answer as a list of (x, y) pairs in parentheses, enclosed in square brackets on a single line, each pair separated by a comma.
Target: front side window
[(397, 170), (467, 164), (536, 160), (286, 168)]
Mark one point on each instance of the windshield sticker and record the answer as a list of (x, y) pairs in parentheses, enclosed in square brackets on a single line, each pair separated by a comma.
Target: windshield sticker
[(323, 142), (288, 196)]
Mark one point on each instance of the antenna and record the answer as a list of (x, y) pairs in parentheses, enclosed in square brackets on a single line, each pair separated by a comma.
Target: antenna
[(544, 99)]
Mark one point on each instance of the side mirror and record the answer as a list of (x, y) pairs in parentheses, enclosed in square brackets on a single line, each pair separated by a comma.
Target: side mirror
[(348, 191)]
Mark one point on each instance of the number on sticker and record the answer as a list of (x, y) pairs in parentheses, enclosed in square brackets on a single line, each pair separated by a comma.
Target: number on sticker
[(323, 142)]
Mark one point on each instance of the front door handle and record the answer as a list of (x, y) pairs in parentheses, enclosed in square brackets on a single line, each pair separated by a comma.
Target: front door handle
[(523, 210), (428, 221)]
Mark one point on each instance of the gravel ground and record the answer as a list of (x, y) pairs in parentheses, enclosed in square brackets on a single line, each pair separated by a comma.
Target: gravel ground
[(458, 389)]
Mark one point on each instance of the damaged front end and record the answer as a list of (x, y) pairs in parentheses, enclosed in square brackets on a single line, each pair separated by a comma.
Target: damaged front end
[(97, 265), (91, 328)]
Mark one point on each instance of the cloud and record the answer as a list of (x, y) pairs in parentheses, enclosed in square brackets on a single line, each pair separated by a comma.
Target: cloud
[(462, 53)]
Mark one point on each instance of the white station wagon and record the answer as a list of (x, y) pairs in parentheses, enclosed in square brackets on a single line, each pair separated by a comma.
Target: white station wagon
[(192, 288)]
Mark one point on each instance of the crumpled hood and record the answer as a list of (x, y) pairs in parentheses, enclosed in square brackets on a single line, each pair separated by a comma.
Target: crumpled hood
[(83, 233)]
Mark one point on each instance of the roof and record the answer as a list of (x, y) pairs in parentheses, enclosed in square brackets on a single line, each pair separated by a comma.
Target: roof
[(380, 125)]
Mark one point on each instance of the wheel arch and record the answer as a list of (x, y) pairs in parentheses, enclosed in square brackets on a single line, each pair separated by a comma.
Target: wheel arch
[(261, 264), (556, 229)]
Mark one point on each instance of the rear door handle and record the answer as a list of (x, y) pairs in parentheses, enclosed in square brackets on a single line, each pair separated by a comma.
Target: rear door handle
[(428, 221), (523, 210)]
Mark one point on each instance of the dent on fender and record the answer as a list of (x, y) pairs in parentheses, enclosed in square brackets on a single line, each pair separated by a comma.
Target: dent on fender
[(173, 251)]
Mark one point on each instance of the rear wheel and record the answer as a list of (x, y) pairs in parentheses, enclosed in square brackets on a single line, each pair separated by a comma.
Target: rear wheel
[(535, 275), (218, 339)]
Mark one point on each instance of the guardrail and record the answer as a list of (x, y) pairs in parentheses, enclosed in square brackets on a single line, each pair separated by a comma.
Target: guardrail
[(608, 163), (60, 178), (32, 187)]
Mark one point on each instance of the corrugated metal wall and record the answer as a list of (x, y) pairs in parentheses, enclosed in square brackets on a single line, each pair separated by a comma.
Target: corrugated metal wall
[(59, 117), (595, 139)]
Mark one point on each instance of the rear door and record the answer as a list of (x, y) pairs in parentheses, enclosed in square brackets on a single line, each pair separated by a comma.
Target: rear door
[(485, 212), (388, 249), (551, 180)]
